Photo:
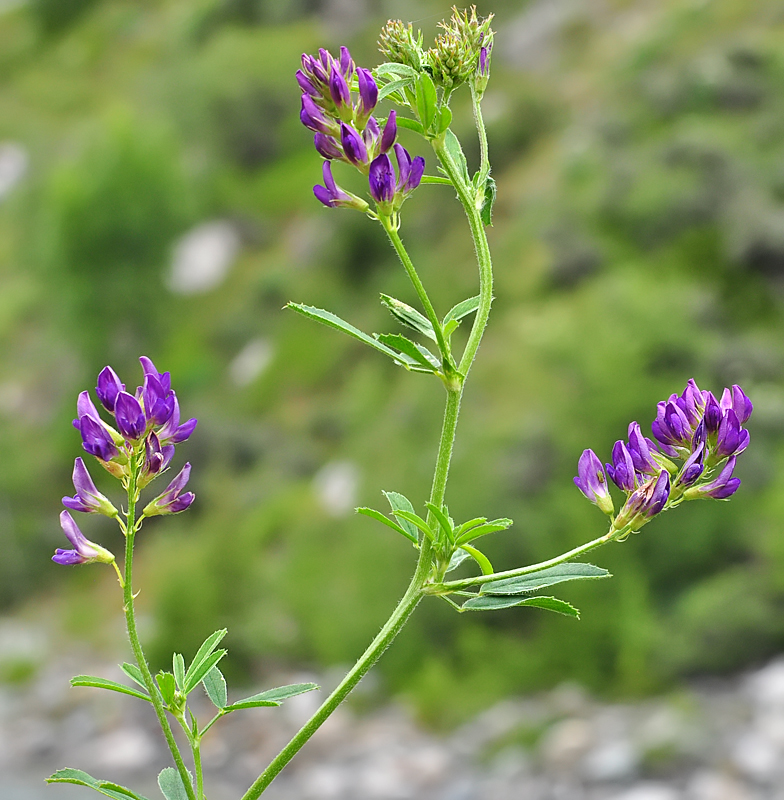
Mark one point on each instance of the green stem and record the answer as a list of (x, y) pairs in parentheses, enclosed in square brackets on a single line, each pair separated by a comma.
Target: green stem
[(482, 255), (514, 573), (405, 259), (195, 747), (484, 157), (130, 620)]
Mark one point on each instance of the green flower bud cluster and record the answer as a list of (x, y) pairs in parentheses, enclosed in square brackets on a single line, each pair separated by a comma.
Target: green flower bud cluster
[(398, 43), (456, 54)]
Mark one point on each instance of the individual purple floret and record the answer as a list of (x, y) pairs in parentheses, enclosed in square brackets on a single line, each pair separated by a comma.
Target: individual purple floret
[(87, 499), (736, 399), (592, 482), (85, 551), (621, 471), (172, 500), (368, 95), (95, 439), (731, 439), (719, 489), (354, 146), (644, 503), (381, 178), (109, 386), (390, 190), (642, 451), (694, 467), (128, 412), (333, 196)]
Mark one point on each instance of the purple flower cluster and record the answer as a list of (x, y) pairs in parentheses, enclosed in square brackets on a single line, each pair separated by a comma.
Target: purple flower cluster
[(345, 130), (140, 445), (693, 427)]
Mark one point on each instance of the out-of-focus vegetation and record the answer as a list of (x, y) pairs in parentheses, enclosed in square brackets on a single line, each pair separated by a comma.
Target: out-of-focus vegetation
[(638, 241)]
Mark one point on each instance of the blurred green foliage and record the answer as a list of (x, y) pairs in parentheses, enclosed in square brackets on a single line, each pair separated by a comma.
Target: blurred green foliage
[(638, 241)]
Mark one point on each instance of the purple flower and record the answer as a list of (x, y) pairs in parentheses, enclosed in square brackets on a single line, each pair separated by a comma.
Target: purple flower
[(381, 178), (410, 172), (306, 84), (172, 432), (87, 498), (314, 118), (85, 408), (353, 145), (694, 467), (738, 402), (484, 61), (158, 403), (731, 439), (156, 458), (131, 421), (621, 471), (592, 482), (713, 412), (172, 500), (85, 551), (327, 146), (333, 196), (641, 451), (96, 440), (644, 503), (346, 63), (368, 94), (671, 426), (721, 488), (149, 369), (108, 388), (390, 132), (339, 91)]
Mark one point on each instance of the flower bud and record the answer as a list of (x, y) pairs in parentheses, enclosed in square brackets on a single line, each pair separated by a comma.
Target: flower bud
[(85, 551), (592, 482)]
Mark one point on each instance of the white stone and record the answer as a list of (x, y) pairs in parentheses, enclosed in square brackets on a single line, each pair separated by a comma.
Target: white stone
[(251, 362), (756, 756), (567, 742), (126, 748), (767, 686), (203, 256), (612, 761), (715, 786), (13, 166), (649, 791), (336, 485)]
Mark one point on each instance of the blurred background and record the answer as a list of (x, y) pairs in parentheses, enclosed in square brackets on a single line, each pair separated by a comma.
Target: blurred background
[(155, 198)]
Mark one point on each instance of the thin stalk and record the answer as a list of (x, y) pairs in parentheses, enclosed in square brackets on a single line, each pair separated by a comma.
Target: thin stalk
[(130, 621), (514, 573), (484, 157), (195, 747), (397, 243)]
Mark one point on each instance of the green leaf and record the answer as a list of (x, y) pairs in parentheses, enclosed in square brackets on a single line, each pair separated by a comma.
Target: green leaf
[(112, 686), (482, 530), (544, 577), (444, 119), (488, 603), (442, 521), (195, 676), (171, 784), (392, 87), (134, 673), (462, 309), (106, 788), (167, 686), (471, 523), (409, 316), (455, 151), (390, 68), (377, 515), (178, 668), (272, 697), (410, 516), (458, 557), (414, 351), (480, 558), (202, 654), (486, 212), (399, 502), (333, 321), (436, 179), (426, 100), (215, 686), (411, 124)]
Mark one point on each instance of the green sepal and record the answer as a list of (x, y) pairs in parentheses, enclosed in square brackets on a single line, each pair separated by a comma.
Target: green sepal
[(377, 515), (455, 151), (492, 603), (545, 577), (215, 685), (167, 686), (414, 518), (443, 521), (395, 69), (411, 124), (134, 673), (392, 87), (482, 530), (462, 309), (178, 668), (106, 788), (272, 697), (411, 349), (409, 316), (486, 212), (480, 558), (399, 502), (171, 785), (333, 321), (112, 686), (426, 100)]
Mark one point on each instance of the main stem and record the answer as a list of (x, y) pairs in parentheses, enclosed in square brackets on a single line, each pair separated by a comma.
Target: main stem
[(130, 621)]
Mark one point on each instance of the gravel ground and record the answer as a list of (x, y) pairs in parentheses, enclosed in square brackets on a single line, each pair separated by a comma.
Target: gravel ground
[(709, 741)]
